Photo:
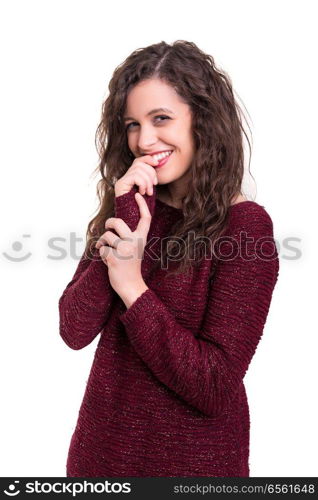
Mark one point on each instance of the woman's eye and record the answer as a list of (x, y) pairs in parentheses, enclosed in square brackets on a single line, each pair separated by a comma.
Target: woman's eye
[(159, 116)]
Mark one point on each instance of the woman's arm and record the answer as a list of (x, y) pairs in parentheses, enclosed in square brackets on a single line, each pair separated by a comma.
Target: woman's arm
[(86, 303), (206, 369)]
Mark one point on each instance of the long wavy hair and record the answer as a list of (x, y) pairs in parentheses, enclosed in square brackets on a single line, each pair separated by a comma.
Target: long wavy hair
[(218, 163)]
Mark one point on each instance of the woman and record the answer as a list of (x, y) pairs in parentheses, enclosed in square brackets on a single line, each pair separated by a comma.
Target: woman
[(179, 322)]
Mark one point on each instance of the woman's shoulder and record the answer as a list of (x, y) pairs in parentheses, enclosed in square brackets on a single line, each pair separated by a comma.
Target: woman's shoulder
[(247, 210), (250, 215)]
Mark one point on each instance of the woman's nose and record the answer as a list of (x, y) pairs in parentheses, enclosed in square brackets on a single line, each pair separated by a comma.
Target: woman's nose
[(146, 140)]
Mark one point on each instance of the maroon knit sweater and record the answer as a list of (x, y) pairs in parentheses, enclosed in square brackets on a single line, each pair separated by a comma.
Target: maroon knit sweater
[(165, 395)]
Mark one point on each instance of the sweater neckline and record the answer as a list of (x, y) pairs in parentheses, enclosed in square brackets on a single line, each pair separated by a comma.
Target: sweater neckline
[(242, 203), (169, 206), (180, 209)]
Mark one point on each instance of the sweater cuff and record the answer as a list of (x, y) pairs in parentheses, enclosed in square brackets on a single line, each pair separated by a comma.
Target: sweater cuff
[(123, 201), (142, 307), (127, 208)]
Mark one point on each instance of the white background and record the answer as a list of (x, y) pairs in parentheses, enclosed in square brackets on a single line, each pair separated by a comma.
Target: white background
[(56, 61)]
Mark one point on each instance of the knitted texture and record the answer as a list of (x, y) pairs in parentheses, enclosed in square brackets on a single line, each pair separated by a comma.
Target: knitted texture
[(165, 395)]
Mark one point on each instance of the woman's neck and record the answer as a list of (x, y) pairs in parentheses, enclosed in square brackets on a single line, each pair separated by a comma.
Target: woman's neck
[(164, 195)]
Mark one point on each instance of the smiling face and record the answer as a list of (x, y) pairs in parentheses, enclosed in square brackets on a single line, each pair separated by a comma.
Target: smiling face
[(161, 131)]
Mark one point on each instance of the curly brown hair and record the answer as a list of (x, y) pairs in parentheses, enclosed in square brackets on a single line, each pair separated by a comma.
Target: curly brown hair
[(218, 162)]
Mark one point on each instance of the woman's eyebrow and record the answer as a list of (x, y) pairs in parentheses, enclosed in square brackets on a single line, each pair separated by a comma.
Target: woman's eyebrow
[(157, 110)]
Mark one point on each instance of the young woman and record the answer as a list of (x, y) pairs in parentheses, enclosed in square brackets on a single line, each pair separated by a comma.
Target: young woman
[(177, 276)]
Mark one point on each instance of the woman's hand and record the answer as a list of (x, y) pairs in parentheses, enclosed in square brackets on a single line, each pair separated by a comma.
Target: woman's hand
[(142, 173), (124, 254)]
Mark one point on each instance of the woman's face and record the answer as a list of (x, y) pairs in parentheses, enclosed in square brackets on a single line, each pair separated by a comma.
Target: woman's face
[(161, 130)]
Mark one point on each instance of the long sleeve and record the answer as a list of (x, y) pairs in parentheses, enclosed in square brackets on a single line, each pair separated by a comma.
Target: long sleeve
[(126, 207), (86, 303), (206, 368)]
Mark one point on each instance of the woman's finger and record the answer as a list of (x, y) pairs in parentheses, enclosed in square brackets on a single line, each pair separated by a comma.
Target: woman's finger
[(145, 214), (120, 226), (142, 180), (108, 238), (103, 252), (150, 171)]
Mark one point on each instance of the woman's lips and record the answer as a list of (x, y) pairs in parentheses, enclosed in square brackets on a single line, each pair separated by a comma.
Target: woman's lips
[(163, 161)]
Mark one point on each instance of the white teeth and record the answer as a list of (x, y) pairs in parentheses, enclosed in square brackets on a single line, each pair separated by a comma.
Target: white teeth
[(162, 155)]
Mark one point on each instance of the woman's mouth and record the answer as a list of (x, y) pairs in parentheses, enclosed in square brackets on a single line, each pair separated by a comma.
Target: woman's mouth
[(163, 160)]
